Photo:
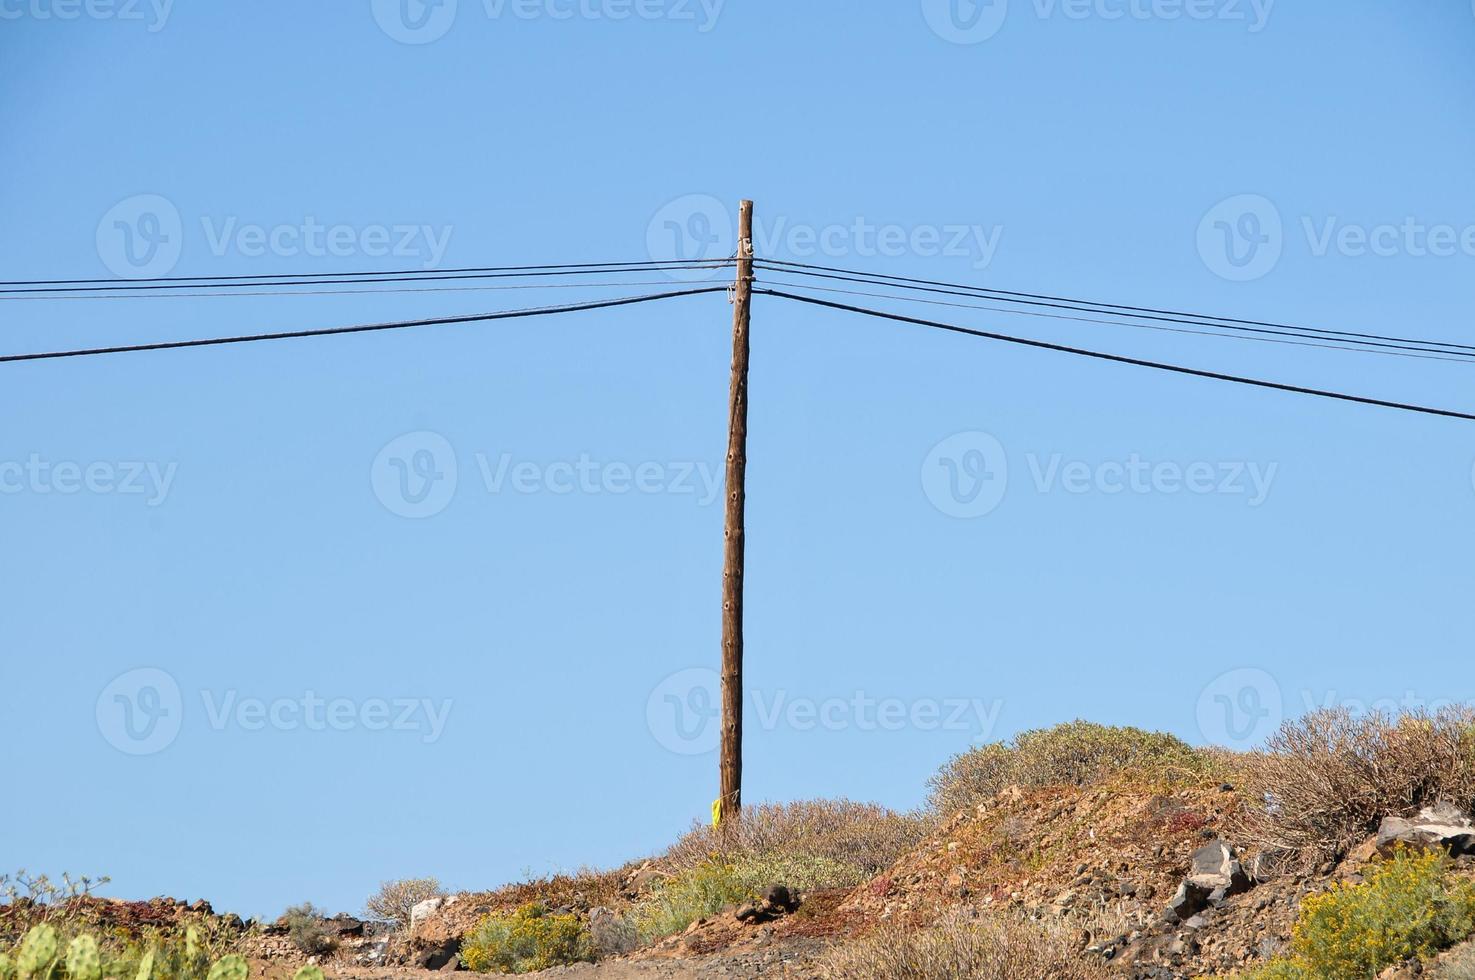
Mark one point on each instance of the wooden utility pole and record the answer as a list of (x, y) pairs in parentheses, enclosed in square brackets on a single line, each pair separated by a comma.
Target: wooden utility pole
[(730, 801)]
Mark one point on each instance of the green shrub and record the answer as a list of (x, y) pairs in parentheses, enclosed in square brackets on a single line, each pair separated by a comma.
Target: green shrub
[(1076, 754), (306, 929), (525, 941), (1408, 908), (827, 843), (800, 872), (691, 895)]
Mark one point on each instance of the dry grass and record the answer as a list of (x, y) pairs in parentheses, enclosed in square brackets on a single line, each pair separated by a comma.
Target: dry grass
[(960, 949), (1459, 965), (1077, 754), (581, 890), (856, 840), (1324, 782)]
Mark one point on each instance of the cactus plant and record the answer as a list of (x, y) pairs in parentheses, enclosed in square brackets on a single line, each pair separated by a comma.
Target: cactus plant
[(83, 960), (229, 968), (309, 973), (146, 966), (37, 954)]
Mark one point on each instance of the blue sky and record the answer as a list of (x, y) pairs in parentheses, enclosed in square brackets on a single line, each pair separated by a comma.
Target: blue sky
[(281, 621)]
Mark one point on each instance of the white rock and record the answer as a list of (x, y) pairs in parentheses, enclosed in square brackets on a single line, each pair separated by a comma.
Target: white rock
[(421, 911)]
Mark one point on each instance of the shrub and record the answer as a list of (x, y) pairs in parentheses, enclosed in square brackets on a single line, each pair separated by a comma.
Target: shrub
[(525, 941), (393, 901), (1325, 781), (800, 872), (693, 894), (959, 949), (827, 843), (34, 899), (611, 934), (1077, 754), (1408, 908), (306, 929)]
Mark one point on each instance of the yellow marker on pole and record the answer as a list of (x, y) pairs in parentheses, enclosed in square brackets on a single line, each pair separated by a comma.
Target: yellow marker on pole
[(717, 811)]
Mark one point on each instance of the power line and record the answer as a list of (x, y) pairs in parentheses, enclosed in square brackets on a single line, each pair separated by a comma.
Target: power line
[(387, 290), (327, 280), (367, 327), (1455, 359), (1138, 312), (1117, 358), (378, 272)]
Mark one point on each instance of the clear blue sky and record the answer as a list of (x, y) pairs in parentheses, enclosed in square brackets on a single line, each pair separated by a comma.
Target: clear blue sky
[(233, 518)]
